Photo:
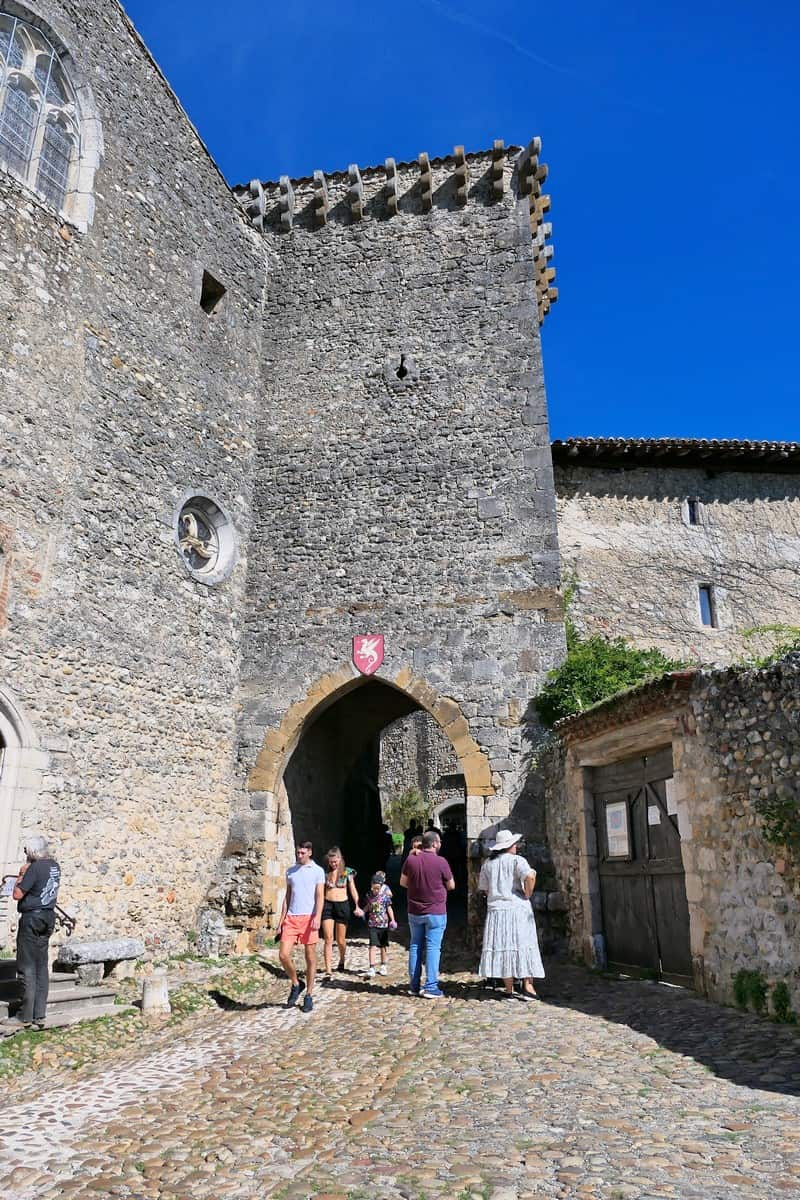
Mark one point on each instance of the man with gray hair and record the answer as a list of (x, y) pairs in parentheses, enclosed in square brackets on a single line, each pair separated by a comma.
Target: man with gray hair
[(35, 891)]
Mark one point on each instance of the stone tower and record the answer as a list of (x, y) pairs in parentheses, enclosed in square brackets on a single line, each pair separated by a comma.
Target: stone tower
[(402, 488)]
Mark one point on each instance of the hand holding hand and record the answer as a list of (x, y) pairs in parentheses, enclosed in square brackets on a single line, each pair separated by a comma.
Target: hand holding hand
[(359, 912), (393, 925), (315, 922)]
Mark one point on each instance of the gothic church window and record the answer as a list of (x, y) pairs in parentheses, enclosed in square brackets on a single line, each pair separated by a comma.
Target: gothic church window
[(41, 119)]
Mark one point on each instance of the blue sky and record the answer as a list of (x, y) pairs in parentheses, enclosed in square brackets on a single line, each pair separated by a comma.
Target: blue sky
[(670, 131)]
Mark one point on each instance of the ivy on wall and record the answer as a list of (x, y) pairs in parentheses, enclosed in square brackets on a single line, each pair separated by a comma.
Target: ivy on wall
[(594, 669)]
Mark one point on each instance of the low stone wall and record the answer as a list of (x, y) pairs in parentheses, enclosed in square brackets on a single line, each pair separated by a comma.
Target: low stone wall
[(742, 745), (735, 738)]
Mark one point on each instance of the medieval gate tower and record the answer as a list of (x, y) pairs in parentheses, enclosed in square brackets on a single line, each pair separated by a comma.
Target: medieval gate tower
[(246, 429), (402, 483)]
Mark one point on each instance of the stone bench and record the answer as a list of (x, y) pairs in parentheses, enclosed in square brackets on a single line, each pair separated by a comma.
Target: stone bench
[(92, 961)]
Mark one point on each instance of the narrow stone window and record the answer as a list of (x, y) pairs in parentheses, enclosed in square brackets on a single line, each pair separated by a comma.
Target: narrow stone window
[(694, 512), (708, 606), (211, 293)]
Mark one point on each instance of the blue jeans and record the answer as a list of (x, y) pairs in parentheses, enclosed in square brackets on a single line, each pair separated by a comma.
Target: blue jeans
[(426, 931)]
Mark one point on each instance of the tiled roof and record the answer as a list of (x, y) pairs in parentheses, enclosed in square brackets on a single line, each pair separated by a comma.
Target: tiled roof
[(731, 453), (655, 695)]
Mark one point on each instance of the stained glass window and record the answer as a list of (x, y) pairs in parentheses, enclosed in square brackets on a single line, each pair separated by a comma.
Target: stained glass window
[(39, 118)]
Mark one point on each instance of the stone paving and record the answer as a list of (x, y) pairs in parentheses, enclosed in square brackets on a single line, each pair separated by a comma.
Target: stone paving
[(603, 1088)]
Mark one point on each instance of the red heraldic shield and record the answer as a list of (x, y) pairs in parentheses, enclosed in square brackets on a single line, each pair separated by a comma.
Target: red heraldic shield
[(368, 652)]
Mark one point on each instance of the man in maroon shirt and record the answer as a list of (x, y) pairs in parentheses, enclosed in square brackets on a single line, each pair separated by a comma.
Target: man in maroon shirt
[(427, 879)]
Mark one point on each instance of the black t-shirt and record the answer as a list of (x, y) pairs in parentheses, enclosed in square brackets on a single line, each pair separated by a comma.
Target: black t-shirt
[(40, 885)]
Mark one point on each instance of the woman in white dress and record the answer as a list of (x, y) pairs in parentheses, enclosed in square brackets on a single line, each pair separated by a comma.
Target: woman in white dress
[(510, 941)]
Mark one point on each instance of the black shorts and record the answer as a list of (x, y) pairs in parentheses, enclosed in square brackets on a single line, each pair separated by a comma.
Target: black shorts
[(379, 937), (336, 910)]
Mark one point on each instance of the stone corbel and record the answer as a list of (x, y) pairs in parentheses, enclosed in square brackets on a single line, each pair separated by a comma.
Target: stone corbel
[(426, 182), (462, 175), (256, 206), (355, 192), (539, 206), (498, 173), (529, 165), (286, 202), (320, 199), (391, 186)]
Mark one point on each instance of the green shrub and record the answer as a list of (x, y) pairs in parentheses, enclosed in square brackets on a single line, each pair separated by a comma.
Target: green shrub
[(594, 669), (409, 806), (750, 987), (781, 1004)]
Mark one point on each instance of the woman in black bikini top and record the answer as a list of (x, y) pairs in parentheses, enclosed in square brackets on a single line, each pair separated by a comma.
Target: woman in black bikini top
[(340, 890)]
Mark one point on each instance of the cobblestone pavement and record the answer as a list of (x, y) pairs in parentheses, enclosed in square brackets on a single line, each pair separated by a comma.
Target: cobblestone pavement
[(602, 1089)]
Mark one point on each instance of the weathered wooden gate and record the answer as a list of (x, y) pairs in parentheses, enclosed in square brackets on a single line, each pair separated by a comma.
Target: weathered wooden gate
[(642, 888)]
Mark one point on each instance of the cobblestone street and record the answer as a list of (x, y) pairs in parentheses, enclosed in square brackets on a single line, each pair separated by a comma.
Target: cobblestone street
[(603, 1088)]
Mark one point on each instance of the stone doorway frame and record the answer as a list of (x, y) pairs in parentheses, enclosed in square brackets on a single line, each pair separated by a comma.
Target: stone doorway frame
[(266, 775), (22, 765)]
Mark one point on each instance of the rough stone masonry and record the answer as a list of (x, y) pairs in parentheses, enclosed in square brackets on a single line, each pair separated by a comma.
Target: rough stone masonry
[(234, 440)]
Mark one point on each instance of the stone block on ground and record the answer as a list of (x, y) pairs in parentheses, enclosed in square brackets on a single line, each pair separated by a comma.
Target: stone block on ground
[(106, 951)]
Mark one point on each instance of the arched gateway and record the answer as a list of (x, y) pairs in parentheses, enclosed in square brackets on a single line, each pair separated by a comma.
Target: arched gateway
[(315, 775)]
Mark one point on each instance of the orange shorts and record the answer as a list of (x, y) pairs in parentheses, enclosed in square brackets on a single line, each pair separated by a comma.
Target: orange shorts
[(298, 931)]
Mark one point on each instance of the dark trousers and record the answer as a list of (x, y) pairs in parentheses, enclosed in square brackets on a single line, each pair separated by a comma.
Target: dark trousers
[(33, 935)]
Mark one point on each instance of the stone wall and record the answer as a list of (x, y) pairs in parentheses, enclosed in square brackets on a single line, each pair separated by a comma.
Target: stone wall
[(743, 892), (414, 753), (735, 739), (121, 395), (403, 476), (637, 563)]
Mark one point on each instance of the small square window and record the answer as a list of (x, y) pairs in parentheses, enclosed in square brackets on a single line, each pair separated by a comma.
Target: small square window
[(694, 512), (708, 606), (211, 293)]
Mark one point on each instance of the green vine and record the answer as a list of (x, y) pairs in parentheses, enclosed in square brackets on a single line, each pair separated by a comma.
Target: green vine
[(785, 640), (780, 815), (594, 669)]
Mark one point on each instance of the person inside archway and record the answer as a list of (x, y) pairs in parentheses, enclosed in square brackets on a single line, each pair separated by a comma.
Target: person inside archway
[(340, 893), (510, 941)]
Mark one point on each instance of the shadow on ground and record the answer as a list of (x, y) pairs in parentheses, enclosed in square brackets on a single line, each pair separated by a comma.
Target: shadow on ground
[(748, 1050)]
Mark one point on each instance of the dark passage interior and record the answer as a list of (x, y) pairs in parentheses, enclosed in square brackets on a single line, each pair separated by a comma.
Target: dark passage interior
[(332, 778)]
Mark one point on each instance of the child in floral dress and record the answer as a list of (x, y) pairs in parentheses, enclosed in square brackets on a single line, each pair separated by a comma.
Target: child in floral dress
[(380, 920)]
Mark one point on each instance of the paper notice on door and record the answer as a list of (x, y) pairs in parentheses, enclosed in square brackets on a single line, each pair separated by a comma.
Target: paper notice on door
[(653, 814), (672, 803)]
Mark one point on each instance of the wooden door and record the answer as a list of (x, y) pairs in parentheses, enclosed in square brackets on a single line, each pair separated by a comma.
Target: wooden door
[(642, 887)]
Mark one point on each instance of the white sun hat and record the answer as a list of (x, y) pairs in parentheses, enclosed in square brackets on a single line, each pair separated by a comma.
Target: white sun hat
[(505, 840)]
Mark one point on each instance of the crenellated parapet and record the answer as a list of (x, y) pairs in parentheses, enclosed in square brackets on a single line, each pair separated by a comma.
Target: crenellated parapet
[(398, 190)]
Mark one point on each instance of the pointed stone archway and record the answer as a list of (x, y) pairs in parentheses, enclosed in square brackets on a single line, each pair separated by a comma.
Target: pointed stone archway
[(317, 746)]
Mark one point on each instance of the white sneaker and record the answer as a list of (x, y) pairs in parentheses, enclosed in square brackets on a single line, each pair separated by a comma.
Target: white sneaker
[(383, 969), (370, 972)]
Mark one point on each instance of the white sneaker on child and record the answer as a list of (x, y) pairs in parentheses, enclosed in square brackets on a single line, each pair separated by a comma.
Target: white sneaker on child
[(383, 969), (370, 972)]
